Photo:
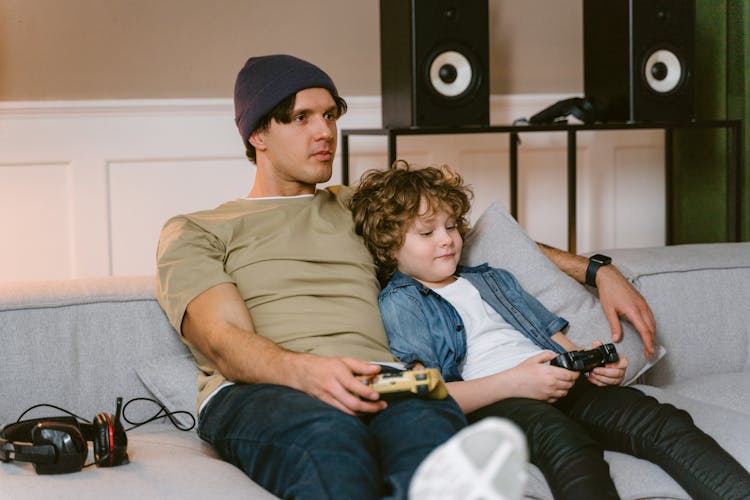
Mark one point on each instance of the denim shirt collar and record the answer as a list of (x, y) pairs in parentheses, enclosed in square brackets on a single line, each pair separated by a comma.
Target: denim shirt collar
[(400, 280)]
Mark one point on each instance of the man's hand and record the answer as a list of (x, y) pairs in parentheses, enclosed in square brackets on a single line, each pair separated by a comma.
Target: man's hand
[(535, 379), (618, 298), (617, 295), (333, 381)]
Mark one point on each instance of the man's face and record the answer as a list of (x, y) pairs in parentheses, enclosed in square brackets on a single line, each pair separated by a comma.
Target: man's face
[(299, 154)]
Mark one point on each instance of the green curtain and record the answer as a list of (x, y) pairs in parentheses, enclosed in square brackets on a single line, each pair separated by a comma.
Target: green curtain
[(722, 84)]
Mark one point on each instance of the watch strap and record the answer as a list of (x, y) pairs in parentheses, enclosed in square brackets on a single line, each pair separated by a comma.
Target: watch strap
[(595, 262)]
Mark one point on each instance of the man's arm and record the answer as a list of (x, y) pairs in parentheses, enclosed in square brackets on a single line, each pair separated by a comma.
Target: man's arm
[(218, 324), (617, 295)]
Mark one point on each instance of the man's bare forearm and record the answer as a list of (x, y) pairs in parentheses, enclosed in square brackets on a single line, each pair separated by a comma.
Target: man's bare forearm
[(572, 265)]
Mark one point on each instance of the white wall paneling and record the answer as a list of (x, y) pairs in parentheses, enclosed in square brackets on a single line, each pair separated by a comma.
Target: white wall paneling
[(85, 186)]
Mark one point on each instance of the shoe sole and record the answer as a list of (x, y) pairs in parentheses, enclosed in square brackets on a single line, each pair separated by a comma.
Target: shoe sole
[(484, 461)]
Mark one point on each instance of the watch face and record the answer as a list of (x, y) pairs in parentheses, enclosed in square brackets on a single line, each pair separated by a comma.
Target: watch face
[(601, 259)]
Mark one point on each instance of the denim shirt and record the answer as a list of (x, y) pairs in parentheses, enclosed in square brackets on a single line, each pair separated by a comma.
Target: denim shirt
[(423, 326)]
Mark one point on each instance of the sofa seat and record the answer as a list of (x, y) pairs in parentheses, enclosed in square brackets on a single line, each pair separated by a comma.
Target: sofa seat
[(163, 464), (726, 390)]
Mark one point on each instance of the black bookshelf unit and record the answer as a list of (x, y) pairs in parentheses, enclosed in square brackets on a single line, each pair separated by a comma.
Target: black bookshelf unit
[(734, 181)]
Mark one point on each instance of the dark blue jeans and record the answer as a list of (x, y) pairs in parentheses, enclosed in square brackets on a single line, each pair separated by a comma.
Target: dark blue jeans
[(566, 441), (297, 446)]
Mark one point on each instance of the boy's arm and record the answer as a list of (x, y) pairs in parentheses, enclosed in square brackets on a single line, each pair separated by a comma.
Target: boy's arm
[(564, 341), (218, 324), (617, 295), (534, 379)]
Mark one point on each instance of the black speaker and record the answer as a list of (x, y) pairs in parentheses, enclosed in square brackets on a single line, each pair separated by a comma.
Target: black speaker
[(434, 61), (638, 59)]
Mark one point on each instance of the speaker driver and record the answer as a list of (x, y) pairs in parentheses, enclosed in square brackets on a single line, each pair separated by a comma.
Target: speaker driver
[(451, 74), (663, 71)]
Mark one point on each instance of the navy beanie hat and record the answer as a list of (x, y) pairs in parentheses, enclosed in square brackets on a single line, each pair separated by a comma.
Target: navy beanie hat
[(265, 81)]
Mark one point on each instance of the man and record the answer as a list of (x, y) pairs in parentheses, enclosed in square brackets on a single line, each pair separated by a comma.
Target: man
[(277, 299)]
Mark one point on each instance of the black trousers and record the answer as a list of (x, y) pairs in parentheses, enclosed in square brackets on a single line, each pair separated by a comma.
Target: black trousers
[(567, 440)]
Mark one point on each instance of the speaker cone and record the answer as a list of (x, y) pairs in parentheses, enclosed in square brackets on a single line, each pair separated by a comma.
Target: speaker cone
[(663, 71), (451, 74)]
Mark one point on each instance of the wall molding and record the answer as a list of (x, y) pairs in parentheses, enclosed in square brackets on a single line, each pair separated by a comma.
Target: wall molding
[(86, 185)]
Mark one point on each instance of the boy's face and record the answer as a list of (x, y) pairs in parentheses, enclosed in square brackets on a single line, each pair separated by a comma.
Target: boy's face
[(299, 154), (432, 248)]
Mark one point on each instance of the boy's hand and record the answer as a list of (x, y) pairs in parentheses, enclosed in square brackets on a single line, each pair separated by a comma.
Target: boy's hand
[(535, 379), (611, 373)]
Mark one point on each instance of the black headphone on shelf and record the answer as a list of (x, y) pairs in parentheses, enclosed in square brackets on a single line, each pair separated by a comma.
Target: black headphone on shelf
[(58, 445)]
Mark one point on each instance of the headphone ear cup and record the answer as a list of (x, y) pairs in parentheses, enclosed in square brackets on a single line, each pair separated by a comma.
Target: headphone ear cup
[(102, 438), (110, 441), (120, 445), (70, 447)]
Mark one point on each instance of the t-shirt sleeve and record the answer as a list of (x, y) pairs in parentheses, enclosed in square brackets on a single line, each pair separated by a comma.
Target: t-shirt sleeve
[(190, 260)]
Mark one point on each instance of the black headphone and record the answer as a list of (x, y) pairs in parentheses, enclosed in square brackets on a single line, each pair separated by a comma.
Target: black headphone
[(59, 445)]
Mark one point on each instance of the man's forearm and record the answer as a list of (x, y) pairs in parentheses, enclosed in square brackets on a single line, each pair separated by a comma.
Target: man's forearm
[(244, 356), (572, 265)]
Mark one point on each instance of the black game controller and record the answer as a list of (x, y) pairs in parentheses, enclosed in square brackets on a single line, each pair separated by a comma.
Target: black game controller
[(585, 361)]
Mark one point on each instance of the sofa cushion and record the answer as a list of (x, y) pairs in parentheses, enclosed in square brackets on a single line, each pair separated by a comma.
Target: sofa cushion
[(162, 459), (498, 239), (634, 479), (728, 390), (173, 381)]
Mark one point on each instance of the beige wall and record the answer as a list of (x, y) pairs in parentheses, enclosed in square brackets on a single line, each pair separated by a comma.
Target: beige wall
[(113, 49)]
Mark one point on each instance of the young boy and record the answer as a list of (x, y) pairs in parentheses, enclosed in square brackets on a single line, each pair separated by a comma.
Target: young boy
[(492, 342)]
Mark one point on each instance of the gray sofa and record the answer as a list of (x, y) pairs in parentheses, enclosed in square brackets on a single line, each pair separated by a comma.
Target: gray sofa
[(79, 344)]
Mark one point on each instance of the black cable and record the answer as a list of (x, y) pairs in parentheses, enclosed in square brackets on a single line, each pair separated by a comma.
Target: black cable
[(161, 413)]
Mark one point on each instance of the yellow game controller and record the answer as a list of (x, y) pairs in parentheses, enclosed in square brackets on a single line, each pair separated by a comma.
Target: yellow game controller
[(425, 383)]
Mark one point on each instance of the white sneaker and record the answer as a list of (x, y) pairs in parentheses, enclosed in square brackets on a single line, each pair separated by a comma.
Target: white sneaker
[(486, 461)]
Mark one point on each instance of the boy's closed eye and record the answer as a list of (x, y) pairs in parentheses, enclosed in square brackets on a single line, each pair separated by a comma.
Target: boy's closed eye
[(448, 228)]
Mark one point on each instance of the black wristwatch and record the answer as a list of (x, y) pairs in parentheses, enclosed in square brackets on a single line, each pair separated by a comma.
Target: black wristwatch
[(595, 262)]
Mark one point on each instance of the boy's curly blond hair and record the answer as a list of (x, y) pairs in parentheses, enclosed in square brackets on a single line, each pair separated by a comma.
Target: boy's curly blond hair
[(387, 202)]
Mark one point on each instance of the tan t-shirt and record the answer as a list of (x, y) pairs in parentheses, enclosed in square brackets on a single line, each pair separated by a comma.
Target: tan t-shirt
[(306, 277)]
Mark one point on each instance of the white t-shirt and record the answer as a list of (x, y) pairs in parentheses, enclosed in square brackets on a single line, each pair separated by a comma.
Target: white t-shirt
[(492, 344)]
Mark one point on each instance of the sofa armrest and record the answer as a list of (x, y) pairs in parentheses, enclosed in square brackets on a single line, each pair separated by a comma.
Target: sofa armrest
[(700, 295)]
